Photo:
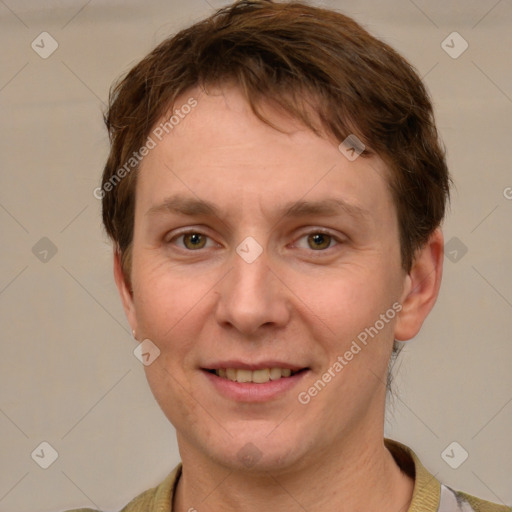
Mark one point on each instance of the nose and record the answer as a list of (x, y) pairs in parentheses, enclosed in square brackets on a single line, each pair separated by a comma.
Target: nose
[(252, 297)]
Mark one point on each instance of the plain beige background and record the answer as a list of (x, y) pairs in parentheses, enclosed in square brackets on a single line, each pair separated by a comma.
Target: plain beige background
[(68, 375)]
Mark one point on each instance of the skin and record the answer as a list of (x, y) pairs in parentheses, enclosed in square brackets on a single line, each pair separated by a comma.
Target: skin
[(295, 302)]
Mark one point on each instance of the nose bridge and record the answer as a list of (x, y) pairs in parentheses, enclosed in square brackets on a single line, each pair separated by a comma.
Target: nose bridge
[(251, 268), (251, 296), (251, 261)]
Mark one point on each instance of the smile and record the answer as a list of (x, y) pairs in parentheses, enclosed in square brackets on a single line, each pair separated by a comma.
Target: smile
[(256, 376)]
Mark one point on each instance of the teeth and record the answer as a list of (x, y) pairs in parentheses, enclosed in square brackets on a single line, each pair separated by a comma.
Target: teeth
[(257, 376), (243, 375), (275, 373), (260, 376)]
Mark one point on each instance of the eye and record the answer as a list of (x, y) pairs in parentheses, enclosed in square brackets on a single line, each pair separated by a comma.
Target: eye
[(317, 241), (192, 240)]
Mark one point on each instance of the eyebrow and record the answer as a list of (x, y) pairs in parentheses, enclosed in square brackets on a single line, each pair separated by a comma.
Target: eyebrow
[(329, 207)]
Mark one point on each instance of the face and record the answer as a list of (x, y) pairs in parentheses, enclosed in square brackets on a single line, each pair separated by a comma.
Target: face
[(256, 250)]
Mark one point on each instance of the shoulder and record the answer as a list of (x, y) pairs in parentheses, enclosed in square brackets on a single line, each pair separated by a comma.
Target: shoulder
[(430, 495), (156, 499), (477, 504)]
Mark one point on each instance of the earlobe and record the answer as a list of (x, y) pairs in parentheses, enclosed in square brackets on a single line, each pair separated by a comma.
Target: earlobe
[(125, 291), (421, 287)]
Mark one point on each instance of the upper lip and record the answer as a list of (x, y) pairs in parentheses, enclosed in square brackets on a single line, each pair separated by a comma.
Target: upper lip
[(252, 366)]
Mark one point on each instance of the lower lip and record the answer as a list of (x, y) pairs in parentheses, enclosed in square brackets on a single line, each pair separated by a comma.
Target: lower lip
[(252, 392)]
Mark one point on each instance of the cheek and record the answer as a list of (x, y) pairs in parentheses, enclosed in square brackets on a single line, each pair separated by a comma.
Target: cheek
[(175, 395), (346, 300), (161, 295), (170, 312), (170, 306)]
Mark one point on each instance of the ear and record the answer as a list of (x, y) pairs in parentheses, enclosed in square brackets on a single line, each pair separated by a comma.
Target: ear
[(124, 290), (421, 287)]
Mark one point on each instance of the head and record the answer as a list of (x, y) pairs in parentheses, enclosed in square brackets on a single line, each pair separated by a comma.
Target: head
[(234, 128)]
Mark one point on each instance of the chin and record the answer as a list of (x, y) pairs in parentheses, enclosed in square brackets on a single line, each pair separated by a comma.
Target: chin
[(256, 450)]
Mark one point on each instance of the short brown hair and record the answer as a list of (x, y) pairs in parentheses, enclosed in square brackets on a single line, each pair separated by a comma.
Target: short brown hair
[(288, 53)]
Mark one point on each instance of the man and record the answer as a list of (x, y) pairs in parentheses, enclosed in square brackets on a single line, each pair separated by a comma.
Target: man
[(274, 192)]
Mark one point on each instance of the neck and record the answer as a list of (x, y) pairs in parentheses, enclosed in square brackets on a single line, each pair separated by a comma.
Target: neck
[(360, 475)]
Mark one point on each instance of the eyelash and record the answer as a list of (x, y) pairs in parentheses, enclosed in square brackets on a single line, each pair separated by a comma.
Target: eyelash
[(333, 238)]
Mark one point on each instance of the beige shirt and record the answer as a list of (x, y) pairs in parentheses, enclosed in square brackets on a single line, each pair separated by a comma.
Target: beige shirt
[(429, 494)]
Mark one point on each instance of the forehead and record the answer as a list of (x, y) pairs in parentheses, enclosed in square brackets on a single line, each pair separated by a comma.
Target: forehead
[(219, 151)]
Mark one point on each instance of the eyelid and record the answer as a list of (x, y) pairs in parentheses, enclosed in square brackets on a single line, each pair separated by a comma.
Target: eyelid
[(311, 231), (188, 231), (322, 231)]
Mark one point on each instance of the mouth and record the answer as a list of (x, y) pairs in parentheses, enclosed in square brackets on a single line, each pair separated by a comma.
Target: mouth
[(260, 376)]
